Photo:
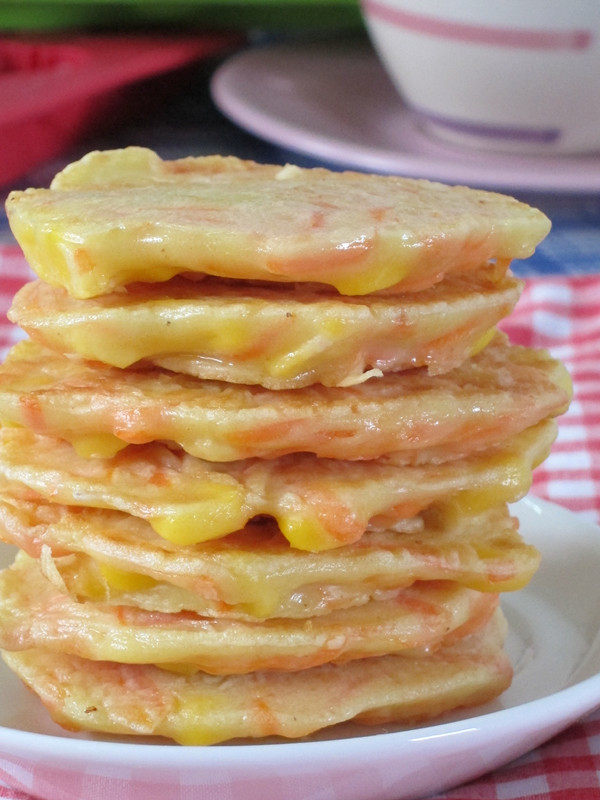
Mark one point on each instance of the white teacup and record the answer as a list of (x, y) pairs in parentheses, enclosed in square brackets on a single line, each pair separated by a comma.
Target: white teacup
[(521, 75)]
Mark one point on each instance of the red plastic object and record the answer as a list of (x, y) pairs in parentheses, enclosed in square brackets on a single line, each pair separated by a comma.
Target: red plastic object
[(51, 91)]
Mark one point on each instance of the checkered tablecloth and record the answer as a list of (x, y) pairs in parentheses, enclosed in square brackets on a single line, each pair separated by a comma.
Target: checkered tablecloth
[(563, 315)]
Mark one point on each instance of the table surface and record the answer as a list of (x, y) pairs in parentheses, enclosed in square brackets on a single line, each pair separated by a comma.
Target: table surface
[(187, 123)]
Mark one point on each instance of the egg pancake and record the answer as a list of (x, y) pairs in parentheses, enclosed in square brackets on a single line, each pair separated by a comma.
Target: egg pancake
[(100, 409), (281, 338), (318, 503), (254, 574), (123, 216), (36, 613), (202, 709)]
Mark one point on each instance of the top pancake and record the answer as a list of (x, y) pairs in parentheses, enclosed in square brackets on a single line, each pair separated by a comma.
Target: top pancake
[(121, 216)]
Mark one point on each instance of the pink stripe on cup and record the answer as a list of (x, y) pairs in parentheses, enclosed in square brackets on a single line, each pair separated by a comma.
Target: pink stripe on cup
[(480, 34)]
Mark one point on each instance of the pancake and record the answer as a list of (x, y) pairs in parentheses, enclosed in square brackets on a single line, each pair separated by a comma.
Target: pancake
[(34, 613), (99, 409), (201, 709), (123, 216), (281, 338), (119, 559), (318, 503)]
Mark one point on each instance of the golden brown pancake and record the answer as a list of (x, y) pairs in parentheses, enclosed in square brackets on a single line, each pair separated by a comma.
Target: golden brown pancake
[(318, 503), (36, 613), (203, 709), (123, 216), (281, 338), (100, 409), (118, 559), (206, 558)]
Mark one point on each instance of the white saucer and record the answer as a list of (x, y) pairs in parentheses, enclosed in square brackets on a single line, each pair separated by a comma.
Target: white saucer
[(554, 646), (335, 103)]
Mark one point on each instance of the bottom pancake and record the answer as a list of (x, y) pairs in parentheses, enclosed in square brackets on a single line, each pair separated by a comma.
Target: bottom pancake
[(203, 709)]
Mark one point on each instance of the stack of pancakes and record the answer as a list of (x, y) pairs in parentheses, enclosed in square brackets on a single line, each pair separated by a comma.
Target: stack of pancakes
[(258, 449)]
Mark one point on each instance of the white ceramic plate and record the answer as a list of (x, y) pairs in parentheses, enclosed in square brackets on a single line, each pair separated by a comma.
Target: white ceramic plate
[(555, 649), (336, 103)]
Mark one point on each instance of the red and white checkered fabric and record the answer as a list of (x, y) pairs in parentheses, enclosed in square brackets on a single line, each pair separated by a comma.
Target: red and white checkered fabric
[(563, 315)]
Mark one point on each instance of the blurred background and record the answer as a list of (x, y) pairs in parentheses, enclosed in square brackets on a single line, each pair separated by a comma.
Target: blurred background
[(300, 81), (274, 81)]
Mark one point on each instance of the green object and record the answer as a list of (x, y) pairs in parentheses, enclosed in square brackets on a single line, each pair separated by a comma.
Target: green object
[(268, 15)]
